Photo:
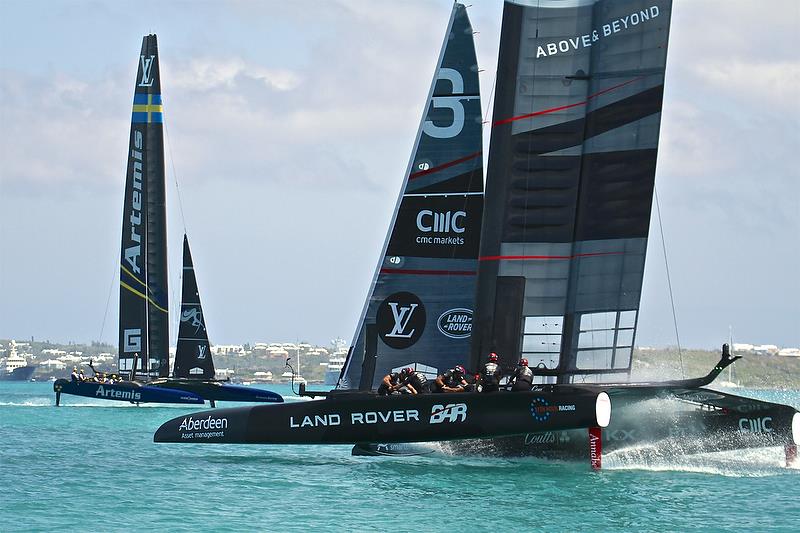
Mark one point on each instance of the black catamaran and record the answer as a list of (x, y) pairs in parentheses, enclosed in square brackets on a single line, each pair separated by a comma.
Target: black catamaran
[(143, 303), (556, 277), (420, 304)]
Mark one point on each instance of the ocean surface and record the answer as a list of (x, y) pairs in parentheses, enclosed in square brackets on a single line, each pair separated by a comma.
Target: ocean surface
[(92, 466)]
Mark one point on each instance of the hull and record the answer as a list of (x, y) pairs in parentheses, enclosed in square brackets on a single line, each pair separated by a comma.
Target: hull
[(352, 417), (648, 423), (124, 392), (216, 391), (24, 373)]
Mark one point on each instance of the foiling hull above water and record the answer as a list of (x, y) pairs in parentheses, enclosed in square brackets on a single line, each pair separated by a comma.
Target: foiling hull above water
[(353, 417), (653, 422), (219, 391), (125, 391)]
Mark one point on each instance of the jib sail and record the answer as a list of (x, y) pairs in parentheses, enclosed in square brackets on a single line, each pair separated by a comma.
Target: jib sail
[(570, 183), (143, 316), (421, 299), (192, 355)]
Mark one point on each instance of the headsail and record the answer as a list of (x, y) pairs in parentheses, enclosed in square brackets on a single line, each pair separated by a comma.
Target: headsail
[(192, 355), (143, 316), (422, 296), (570, 183)]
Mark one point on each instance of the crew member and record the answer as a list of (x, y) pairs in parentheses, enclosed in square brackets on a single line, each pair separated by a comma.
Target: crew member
[(81, 375), (452, 380), (74, 375), (522, 377), (390, 384), (490, 375), (416, 381)]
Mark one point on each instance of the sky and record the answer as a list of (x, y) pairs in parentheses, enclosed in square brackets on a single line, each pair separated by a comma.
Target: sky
[(289, 126)]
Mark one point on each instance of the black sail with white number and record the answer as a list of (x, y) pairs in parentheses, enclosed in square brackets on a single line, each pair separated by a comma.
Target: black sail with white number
[(192, 355), (143, 316), (570, 183), (422, 296)]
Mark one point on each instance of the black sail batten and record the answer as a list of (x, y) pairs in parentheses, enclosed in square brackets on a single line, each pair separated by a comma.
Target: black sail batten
[(422, 295), (570, 183), (193, 358), (143, 316)]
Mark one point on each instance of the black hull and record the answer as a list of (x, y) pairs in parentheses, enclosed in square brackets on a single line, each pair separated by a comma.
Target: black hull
[(647, 423), (348, 418), (218, 391), (24, 373)]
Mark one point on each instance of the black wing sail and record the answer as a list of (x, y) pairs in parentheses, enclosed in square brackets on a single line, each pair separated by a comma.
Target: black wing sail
[(193, 355), (422, 296), (143, 317), (570, 183)]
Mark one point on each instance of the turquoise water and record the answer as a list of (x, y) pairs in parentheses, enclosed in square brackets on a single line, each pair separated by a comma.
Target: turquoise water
[(92, 466)]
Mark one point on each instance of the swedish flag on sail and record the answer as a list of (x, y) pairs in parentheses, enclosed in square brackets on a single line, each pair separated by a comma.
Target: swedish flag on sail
[(147, 109)]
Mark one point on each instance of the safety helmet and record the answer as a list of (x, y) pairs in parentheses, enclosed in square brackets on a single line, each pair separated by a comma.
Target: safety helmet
[(493, 357), (523, 362), (460, 369), (408, 370)]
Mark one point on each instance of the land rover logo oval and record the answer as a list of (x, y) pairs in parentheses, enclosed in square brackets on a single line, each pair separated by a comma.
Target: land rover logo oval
[(401, 320), (456, 323)]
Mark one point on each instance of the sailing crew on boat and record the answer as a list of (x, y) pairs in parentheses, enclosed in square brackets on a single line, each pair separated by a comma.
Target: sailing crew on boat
[(394, 383), (74, 375), (453, 381), (522, 377), (490, 375), (416, 382)]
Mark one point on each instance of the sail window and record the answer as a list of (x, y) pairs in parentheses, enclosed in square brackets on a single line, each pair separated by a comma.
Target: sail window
[(541, 340), (605, 340)]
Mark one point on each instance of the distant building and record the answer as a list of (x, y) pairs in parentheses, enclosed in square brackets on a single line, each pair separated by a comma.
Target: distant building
[(789, 352)]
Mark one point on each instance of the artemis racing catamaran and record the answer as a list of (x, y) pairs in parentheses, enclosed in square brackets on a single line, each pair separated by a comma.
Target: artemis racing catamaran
[(554, 276), (143, 307)]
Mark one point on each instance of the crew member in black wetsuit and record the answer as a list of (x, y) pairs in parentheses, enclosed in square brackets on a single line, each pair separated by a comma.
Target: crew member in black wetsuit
[(390, 384), (74, 376), (490, 375), (415, 382), (522, 378), (452, 380)]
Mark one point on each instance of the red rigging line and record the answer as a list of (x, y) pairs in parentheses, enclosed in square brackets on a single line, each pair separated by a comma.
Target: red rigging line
[(568, 106), (443, 166), (543, 257)]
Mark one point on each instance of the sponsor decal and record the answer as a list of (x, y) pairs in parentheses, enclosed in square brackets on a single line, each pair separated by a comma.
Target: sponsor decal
[(606, 30), (595, 447), (356, 418), (541, 410), (201, 351), (452, 412), (456, 323), (117, 394), (437, 226), (147, 67), (133, 253), (452, 103), (131, 340), (194, 316), (401, 320), (202, 428), (756, 425)]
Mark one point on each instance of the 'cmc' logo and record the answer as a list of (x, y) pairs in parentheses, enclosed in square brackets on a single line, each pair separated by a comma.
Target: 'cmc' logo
[(401, 320), (452, 412), (456, 323), (756, 425), (429, 221)]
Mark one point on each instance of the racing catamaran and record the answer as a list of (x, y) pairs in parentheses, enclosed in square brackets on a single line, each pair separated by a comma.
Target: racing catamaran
[(557, 275), (143, 304), (420, 304)]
